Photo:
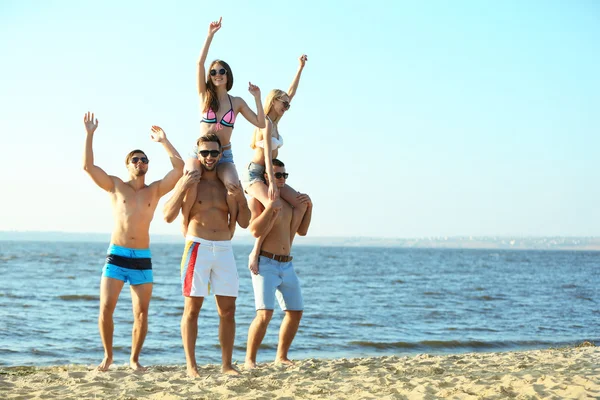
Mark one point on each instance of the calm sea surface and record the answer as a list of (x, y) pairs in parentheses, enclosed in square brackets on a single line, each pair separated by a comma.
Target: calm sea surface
[(359, 302)]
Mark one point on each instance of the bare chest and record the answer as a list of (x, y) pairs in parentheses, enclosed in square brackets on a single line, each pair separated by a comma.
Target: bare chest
[(284, 219), (211, 195), (129, 201)]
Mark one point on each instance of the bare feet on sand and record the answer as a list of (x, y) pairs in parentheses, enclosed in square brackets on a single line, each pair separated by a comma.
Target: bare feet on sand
[(284, 361), (136, 366), (229, 370), (105, 364), (192, 372), (249, 364)]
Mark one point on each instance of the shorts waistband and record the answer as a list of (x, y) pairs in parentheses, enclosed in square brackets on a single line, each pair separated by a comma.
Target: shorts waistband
[(253, 165), (276, 257), (205, 242), (128, 252)]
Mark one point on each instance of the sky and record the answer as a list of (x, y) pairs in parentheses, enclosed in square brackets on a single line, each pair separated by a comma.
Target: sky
[(412, 119)]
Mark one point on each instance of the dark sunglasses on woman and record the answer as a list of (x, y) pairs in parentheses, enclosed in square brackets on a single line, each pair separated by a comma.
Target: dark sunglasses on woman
[(286, 104), (214, 72)]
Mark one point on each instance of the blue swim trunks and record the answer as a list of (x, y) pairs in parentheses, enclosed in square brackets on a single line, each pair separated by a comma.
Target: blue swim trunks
[(128, 265)]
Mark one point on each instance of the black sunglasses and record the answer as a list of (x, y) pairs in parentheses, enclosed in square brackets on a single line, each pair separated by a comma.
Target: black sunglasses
[(286, 104), (134, 160), (279, 175), (213, 153), (214, 72)]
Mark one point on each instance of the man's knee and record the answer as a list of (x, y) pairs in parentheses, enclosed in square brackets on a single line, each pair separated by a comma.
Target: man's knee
[(107, 309), (141, 315), (294, 315), (227, 313), (264, 316), (191, 310)]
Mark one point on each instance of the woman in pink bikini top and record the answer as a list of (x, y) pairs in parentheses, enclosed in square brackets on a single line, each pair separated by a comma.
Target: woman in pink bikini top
[(219, 109)]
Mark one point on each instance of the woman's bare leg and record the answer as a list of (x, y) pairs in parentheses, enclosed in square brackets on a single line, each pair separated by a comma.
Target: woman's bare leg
[(228, 175)]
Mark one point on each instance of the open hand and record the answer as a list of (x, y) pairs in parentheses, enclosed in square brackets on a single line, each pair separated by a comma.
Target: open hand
[(214, 26), (253, 89), (90, 125), (158, 135)]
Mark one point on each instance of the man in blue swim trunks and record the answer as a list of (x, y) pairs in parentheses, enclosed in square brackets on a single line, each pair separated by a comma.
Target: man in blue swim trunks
[(274, 277), (129, 259)]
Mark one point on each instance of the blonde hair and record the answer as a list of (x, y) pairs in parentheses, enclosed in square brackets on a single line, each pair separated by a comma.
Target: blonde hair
[(275, 94)]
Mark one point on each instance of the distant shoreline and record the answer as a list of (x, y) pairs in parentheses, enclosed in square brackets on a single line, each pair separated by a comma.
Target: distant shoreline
[(566, 243)]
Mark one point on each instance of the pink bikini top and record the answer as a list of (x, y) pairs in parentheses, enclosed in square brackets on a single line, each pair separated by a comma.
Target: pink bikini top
[(228, 119)]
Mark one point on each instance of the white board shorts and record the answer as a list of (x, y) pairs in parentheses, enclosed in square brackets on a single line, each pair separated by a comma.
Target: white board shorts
[(208, 264)]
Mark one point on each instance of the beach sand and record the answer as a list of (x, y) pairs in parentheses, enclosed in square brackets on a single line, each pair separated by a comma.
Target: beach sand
[(567, 373)]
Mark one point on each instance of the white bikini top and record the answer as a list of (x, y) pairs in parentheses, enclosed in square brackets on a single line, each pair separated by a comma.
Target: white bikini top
[(275, 142)]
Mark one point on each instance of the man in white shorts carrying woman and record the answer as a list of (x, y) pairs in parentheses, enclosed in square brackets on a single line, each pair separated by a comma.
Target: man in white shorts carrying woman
[(208, 256)]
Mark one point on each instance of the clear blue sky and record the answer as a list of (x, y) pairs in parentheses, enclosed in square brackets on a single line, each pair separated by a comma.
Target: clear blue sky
[(411, 119)]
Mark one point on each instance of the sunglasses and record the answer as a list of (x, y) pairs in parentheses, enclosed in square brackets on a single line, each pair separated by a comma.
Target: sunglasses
[(279, 175), (134, 160), (214, 72), (213, 153), (286, 104)]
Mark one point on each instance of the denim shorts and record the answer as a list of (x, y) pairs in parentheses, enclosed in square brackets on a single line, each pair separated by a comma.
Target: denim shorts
[(254, 173), (226, 157), (276, 279), (128, 265)]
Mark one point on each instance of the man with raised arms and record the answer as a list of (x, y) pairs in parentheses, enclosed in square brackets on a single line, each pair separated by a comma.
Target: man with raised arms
[(129, 258), (209, 217), (274, 276)]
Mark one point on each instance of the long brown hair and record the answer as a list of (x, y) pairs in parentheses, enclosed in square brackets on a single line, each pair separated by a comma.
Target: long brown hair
[(211, 101)]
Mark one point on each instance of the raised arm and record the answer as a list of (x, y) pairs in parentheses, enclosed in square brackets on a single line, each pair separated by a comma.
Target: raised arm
[(97, 174), (294, 86), (257, 120), (273, 191), (212, 29), (166, 184), (175, 203)]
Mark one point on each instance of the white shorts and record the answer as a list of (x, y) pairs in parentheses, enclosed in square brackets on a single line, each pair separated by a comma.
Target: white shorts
[(208, 263)]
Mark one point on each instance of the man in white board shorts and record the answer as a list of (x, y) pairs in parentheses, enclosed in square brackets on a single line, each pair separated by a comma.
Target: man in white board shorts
[(209, 218)]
